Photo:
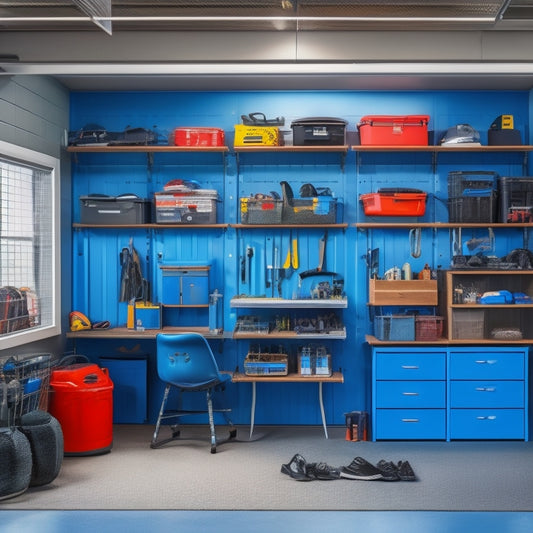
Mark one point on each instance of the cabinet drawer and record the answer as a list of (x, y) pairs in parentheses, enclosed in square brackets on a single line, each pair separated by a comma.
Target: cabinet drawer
[(487, 424), (487, 365), (487, 394), (404, 424), (411, 394), (410, 366)]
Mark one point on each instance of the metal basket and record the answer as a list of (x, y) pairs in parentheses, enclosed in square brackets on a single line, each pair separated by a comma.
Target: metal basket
[(24, 387)]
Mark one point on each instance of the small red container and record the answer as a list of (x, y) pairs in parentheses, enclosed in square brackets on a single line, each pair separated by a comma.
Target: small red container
[(394, 130), (199, 137), (82, 401), (394, 204)]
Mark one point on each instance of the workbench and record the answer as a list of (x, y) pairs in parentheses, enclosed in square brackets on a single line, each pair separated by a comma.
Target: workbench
[(336, 377)]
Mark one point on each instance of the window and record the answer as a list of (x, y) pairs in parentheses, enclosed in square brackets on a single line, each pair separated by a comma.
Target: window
[(29, 246)]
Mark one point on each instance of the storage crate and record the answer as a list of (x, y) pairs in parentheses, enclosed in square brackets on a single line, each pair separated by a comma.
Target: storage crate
[(428, 328), (185, 208), (394, 204), (265, 211), (126, 209), (316, 210), (386, 130), (516, 199), (468, 324), (266, 364), (473, 208), (471, 183), (394, 327)]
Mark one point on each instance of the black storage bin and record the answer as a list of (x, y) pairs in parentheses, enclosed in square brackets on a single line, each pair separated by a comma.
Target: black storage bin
[(319, 131), (473, 209), (471, 183), (516, 199), (126, 209), (505, 137)]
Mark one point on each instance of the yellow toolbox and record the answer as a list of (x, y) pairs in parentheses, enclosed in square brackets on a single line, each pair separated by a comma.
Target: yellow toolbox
[(257, 136)]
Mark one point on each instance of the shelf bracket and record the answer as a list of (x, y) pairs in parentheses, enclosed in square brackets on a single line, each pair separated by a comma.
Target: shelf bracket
[(150, 160), (434, 160)]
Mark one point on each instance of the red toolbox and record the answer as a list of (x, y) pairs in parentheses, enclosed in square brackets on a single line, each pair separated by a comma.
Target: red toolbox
[(82, 401), (386, 130), (199, 137), (395, 203)]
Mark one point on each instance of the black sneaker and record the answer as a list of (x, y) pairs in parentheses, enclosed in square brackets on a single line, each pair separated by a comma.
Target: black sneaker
[(296, 468), (322, 471), (389, 471), (405, 471), (359, 468)]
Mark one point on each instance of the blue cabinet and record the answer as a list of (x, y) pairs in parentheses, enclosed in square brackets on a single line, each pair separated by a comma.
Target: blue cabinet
[(409, 393), (451, 393)]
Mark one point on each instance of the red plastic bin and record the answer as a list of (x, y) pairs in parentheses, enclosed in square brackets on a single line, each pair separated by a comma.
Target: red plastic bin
[(387, 130), (82, 401), (396, 204), (199, 137)]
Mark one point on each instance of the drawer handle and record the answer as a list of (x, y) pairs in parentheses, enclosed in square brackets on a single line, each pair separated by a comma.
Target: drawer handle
[(490, 417), (410, 393), (410, 420), (487, 362), (410, 367), (486, 389)]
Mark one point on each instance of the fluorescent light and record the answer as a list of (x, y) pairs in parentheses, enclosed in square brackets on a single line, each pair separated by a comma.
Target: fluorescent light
[(246, 18), (289, 68)]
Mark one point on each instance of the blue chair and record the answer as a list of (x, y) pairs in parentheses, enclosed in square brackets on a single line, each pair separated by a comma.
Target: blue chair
[(185, 361)]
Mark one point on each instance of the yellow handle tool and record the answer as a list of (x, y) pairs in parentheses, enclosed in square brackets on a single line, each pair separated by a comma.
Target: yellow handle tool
[(292, 255)]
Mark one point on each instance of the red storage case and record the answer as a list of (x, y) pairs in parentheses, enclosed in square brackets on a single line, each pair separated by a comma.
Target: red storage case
[(199, 137), (387, 130), (394, 203), (82, 401)]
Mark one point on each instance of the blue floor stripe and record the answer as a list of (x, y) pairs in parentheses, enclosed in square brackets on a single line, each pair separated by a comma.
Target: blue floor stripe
[(264, 521)]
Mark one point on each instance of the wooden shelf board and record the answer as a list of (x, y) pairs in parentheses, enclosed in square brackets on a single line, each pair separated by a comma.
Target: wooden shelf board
[(336, 377)]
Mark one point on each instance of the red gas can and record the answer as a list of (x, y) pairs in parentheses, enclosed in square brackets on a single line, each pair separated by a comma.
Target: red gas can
[(82, 401)]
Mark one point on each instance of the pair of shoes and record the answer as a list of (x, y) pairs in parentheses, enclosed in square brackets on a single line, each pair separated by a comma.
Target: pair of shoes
[(391, 472), (360, 468), (388, 470), (300, 470), (405, 471), (296, 468), (323, 471)]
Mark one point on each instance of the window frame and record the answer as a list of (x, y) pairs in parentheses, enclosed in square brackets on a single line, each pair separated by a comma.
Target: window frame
[(26, 156)]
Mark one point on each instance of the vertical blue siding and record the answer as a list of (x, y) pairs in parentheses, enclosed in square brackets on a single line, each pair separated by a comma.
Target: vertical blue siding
[(96, 259)]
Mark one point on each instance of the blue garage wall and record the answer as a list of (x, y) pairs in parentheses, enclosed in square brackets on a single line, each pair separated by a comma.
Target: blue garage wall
[(96, 253)]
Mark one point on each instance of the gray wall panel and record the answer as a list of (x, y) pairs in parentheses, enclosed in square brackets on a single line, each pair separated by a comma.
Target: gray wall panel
[(34, 113)]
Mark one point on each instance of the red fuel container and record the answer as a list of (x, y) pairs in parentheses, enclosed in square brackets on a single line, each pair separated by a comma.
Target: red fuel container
[(82, 401)]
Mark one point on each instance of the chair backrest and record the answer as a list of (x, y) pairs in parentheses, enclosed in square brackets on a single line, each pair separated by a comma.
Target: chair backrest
[(185, 360)]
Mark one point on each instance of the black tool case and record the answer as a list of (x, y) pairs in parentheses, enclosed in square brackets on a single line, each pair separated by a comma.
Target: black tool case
[(124, 209), (319, 131)]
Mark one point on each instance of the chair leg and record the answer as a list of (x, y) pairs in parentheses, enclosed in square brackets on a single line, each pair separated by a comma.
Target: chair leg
[(211, 422), (154, 443)]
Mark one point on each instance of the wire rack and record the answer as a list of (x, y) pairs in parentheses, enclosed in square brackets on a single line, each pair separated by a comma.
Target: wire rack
[(24, 386)]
